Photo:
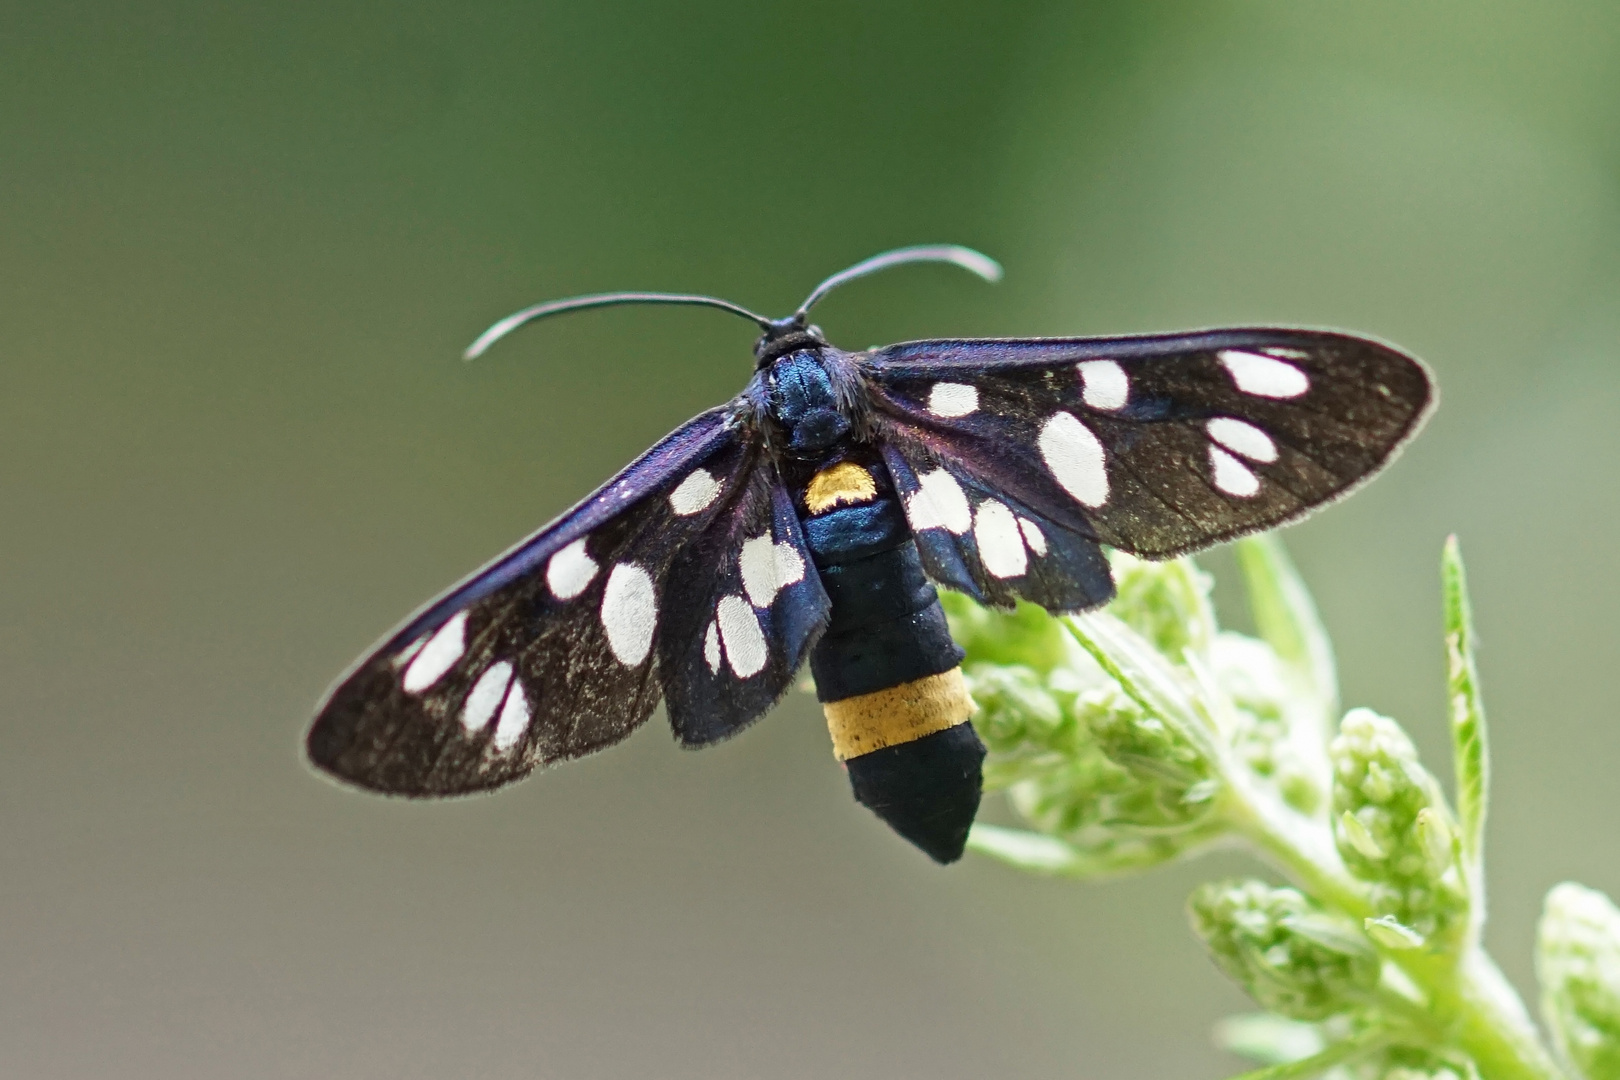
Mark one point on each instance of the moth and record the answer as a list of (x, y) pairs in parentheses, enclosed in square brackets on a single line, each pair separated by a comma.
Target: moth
[(813, 517)]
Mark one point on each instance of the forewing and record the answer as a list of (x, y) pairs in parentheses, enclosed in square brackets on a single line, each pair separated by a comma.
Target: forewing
[(1157, 445), (744, 607), (547, 653)]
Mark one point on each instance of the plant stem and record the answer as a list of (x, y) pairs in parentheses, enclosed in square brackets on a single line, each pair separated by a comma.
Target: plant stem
[(1469, 1004), (1297, 846), (1490, 1022)]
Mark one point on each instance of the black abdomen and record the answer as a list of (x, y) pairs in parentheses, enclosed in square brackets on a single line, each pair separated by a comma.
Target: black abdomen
[(886, 669)]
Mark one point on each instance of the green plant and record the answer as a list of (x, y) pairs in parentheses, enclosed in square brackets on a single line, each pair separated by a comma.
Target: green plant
[(1144, 733)]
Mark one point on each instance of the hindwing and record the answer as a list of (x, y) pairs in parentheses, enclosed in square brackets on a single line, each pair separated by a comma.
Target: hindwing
[(988, 544), (744, 606)]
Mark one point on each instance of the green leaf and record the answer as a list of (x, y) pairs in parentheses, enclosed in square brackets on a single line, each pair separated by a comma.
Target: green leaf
[(1033, 852), (1268, 1038), (1316, 1064), (1144, 675), (1038, 853), (1286, 616), (1470, 750)]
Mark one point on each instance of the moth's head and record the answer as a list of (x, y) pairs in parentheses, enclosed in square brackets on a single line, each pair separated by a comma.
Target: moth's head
[(784, 336), (802, 400)]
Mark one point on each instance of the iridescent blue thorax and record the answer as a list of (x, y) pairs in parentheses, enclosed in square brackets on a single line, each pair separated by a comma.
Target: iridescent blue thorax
[(801, 397)]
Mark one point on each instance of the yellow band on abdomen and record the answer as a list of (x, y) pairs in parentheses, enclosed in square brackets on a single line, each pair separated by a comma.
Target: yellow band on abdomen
[(900, 714)]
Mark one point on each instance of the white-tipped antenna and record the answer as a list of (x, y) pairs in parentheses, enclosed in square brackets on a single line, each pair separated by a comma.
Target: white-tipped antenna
[(973, 261), (596, 300)]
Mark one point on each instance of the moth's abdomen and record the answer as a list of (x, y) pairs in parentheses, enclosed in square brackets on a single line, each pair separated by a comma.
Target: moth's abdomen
[(886, 668)]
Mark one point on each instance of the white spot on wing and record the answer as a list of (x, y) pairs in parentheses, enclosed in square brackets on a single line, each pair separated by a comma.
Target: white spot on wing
[(1243, 438), (1263, 376), (1001, 546), (486, 697), (1032, 535), (938, 503), (570, 570), (629, 613), (1075, 459), (1231, 475), (1106, 386), (953, 399), (694, 494), (758, 565), (789, 566), (514, 718), (711, 647), (767, 568), (438, 656), (739, 629)]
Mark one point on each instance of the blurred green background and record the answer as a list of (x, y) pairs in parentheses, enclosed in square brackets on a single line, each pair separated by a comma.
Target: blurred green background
[(240, 249)]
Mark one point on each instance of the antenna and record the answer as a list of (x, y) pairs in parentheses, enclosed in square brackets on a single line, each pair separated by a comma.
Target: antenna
[(966, 258), (598, 300)]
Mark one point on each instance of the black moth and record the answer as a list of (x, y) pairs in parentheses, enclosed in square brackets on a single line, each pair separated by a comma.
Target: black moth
[(812, 516)]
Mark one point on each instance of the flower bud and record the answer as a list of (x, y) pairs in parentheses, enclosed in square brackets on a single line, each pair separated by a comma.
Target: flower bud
[(1357, 835), (1269, 738), (1166, 602), (1289, 955), (1437, 839), (1391, 934), (1017, 713), (1145, 746), (1578, 963), (1027, 636), (1080, 759), (1116, 784), (1395, 832)]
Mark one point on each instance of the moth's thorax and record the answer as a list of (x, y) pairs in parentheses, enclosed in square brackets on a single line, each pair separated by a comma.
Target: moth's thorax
[(803, 398)]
